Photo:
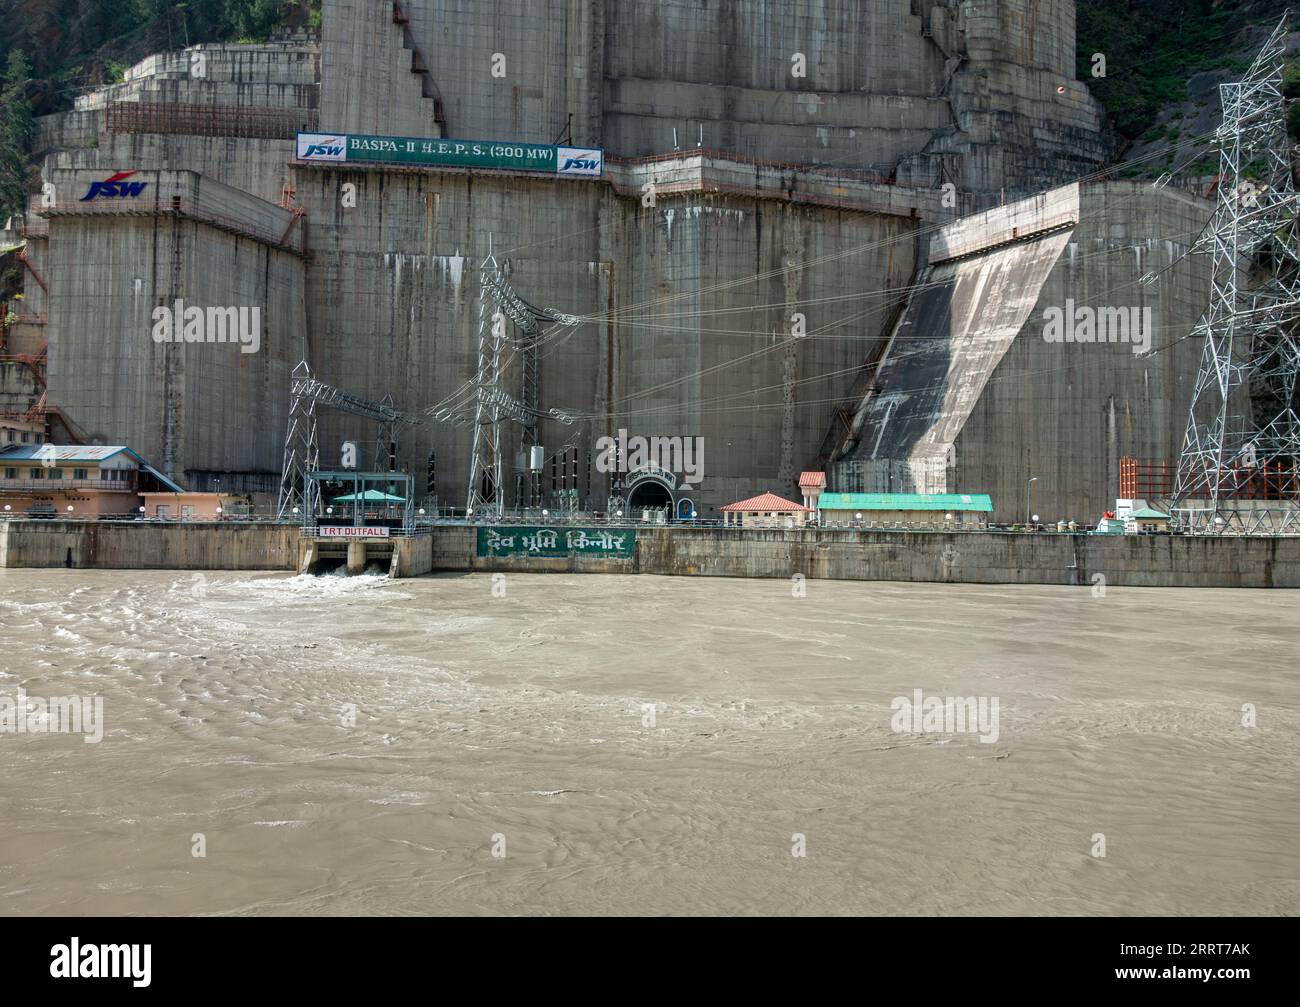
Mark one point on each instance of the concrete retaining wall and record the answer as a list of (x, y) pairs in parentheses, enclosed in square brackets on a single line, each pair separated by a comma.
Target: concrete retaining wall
[(972, 397), (132, 546), (980, 93), (952, 557), (960, 558)]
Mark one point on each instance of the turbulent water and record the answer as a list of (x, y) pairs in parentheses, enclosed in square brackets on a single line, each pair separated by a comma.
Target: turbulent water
[(360, 745)]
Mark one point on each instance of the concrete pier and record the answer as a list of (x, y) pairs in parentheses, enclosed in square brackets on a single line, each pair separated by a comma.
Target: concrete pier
[(145, 545), (398, 557)]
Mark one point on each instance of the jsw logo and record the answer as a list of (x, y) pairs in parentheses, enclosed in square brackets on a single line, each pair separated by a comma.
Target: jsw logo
[(114, 187), (580, 163), (319, 150)]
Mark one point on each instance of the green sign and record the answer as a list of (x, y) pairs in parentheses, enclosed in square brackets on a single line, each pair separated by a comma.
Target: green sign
[(461, 153), (609, 543), (351, 148)]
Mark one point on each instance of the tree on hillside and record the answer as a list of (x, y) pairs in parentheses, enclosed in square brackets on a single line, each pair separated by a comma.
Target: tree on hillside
[(16, 133), (74, 45), (254, 18)]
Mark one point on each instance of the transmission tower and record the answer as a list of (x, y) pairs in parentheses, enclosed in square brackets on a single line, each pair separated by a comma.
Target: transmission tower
[(495, 404), (1243, 432), (301, 449), (301, 444)]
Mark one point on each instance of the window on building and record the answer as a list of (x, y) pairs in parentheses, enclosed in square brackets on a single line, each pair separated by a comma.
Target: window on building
[(187, 510), (10, 432), (26, 436), (80, 474), (162, 510), (11, 473), (56, 473), (37, 473)]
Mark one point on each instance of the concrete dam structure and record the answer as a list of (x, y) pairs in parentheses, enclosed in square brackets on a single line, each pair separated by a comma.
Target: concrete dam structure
[(991, 379), (777, 210)]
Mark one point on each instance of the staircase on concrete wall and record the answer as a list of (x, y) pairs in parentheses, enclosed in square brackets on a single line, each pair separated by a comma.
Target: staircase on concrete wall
[(420, 66)]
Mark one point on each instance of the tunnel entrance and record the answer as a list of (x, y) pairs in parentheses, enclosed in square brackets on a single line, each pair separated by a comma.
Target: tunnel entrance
[(649, 494)]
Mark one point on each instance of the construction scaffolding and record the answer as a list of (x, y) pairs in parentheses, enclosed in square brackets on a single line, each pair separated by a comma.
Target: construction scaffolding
[(209, 120), (1243, 432)]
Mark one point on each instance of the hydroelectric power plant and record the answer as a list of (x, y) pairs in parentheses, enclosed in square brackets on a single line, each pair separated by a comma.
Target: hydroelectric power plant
[(752, 240), (836, 237), (680, 457)]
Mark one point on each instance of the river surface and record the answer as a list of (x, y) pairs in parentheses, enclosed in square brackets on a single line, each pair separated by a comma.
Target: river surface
[(547, 744)]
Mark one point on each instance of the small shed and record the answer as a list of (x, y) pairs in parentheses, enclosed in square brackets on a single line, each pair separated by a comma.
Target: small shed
[(1146, 519)]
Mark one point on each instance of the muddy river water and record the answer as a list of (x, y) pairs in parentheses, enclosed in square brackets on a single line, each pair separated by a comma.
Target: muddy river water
[(546, 744)]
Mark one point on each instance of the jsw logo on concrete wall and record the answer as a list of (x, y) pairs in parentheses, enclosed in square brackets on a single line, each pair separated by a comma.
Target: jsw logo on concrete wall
[(114, 187), (579, 161), (321, 147)]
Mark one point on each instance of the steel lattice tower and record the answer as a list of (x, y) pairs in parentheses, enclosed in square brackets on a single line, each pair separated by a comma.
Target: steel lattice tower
[(485, 455), (301, 442), (301, 448), (486, 490), (1243, 433)]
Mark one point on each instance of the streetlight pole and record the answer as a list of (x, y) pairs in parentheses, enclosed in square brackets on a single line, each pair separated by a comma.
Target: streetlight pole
[(1028, 512)]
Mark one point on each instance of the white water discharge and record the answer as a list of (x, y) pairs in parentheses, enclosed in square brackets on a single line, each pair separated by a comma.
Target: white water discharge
[(644, 745)]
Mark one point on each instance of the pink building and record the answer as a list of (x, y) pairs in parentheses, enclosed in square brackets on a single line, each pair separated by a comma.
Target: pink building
[(192, 506), (75, 480)]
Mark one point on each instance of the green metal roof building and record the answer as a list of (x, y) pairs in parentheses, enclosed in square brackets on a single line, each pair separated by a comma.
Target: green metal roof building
[(954, 502)]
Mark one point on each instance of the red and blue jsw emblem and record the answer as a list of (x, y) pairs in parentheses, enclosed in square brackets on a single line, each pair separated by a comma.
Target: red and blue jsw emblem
[(114, 186)]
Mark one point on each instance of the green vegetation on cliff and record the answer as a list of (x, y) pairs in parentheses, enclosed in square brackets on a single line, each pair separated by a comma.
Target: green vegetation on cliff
[(53, 50), (16, 129), (1152, 48), (73, 45)]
